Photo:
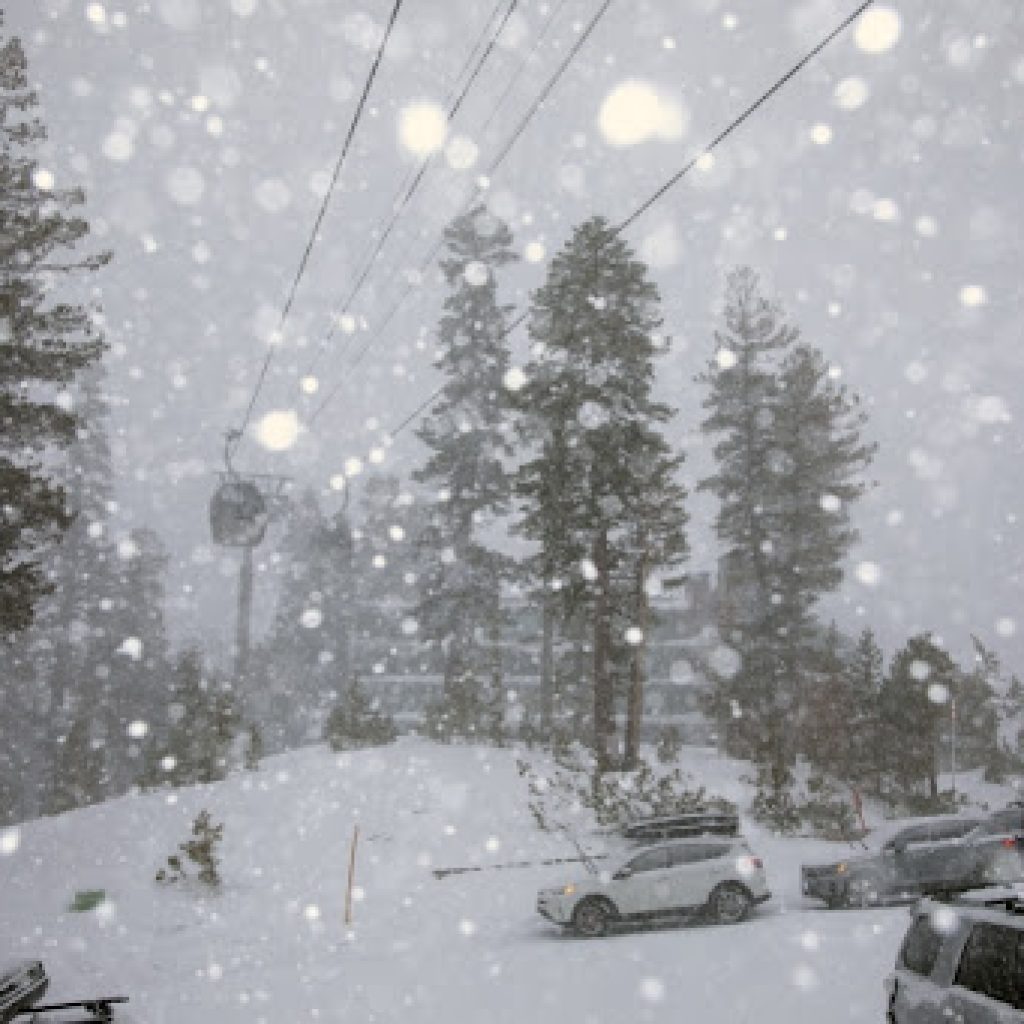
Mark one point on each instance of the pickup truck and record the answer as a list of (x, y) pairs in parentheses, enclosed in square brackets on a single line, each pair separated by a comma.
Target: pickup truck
[(937, 856)]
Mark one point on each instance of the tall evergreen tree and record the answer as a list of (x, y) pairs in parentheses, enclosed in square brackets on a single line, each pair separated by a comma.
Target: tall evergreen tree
[(306, 653), (384, 572), (817, 461), (915, 709), (44, 343), (85, 573), (461, 576), (864, 672), (192, 741), (599, 495), (742, 379)]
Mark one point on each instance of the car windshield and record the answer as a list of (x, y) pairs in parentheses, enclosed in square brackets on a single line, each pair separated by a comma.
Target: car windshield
[(478, 470)]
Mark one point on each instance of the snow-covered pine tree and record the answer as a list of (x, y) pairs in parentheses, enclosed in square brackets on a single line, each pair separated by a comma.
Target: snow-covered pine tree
[(136, 688), (358, 721), (44, 343), (914, 705), (742, 381), (305, 656), (90, 685), (79, 777), (599, 495), (467, 439), (384, 566), (817, 459), (864, 670), (193, 742)]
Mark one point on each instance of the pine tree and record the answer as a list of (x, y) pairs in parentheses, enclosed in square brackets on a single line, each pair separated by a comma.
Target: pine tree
[(44, 343), (384, 574), (461, 576), (827, 726), (79, 778), (743, 384), (599, 495), (864, 671), (193, 743), (915, 708), (357, 721), (817, 460), (981, 717), (136, 687), (307, 649)]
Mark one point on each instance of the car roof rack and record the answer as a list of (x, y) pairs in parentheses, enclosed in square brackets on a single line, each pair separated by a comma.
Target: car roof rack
[(692, 825), (998, 898)]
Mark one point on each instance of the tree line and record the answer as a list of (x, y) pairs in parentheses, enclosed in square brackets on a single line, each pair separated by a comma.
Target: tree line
[(566, 449)]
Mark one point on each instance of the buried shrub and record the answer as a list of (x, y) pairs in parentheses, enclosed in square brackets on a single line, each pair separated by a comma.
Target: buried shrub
[(200, 851)]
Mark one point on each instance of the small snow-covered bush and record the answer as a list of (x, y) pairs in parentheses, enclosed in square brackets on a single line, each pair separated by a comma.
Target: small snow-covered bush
[(200, 850)]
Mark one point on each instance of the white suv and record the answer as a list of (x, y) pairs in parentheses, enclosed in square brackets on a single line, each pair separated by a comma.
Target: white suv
[(720, 876)]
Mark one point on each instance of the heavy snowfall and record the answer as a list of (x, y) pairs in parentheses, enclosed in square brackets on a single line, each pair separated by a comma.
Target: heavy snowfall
[(509, 509)]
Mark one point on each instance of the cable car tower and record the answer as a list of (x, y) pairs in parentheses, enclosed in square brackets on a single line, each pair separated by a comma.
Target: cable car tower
[(241, 508)]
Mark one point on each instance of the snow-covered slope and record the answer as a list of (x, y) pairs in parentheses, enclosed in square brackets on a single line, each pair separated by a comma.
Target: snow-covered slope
[(273, 945)]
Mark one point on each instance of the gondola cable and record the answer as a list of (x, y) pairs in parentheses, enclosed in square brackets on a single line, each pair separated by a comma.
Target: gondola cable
[(493, 167), (666, 186), (237, 434)]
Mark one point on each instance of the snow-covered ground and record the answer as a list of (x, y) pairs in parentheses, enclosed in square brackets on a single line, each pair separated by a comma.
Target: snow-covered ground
[(273, 945)]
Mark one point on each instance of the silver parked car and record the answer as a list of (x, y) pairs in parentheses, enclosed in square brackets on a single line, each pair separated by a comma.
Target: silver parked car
[(720, 876), (961, 962)]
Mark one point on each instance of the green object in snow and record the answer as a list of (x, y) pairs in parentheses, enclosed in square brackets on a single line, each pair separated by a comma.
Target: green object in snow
[(87, 899)]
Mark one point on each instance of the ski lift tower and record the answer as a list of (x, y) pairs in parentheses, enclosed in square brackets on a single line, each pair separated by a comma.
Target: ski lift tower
[(241, 508)]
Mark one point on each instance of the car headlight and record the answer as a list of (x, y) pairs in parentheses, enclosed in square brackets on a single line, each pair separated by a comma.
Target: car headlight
[(568, 890), (841, 869)]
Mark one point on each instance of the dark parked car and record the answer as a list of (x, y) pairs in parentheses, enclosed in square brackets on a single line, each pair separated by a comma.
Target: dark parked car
[(941, 856), (961, 962)]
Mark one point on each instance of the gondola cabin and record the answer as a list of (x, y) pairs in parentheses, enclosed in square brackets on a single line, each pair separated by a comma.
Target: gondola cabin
[(238, 514)]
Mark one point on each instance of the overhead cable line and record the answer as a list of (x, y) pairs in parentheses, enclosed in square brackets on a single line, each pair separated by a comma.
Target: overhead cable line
[(410, 191), (494, 165), (513, 81), (661, 191), (356, 117)]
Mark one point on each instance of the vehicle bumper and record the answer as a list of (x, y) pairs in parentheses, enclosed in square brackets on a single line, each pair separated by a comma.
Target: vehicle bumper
[(825, 887), (555, 907)]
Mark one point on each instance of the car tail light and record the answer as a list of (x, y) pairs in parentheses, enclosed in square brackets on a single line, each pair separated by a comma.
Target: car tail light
[(1010, 844), (757, 862)]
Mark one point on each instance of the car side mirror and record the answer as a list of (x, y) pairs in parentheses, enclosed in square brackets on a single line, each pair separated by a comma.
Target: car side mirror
[(622, 874)]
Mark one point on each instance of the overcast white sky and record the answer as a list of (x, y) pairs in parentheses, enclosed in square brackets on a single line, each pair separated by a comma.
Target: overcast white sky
[(878, 195)]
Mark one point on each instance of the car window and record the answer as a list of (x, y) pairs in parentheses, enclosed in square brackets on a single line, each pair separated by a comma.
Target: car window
[(694, 854), (991, 964), (1011, 820), (915, 834), (650, 860), (921, 947), (953, 829)]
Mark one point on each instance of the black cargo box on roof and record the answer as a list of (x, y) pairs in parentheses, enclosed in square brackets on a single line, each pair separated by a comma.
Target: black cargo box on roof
[(683, 826)]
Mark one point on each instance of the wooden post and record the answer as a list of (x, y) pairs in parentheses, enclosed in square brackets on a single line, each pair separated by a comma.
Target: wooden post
[(351, 875)]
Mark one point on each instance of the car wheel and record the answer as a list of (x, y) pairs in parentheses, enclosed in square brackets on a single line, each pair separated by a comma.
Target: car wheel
[(592, 918), (729, 903)]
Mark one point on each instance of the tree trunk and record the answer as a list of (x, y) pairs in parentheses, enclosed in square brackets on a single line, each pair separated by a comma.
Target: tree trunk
[(635, 707), (604, 703), (547, 662)]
